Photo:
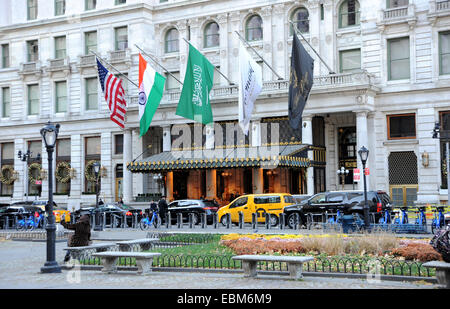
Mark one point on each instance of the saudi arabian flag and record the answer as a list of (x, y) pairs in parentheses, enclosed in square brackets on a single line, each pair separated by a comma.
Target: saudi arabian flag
[(151, 88), (194, 100)]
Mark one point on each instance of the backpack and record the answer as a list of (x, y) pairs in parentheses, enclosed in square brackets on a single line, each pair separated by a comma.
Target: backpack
[(441, 243)]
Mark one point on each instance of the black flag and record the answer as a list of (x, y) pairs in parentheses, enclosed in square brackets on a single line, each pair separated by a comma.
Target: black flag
[(301, 81)]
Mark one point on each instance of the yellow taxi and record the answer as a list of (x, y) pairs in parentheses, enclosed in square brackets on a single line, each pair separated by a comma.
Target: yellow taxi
[(58, 212), (260, 204)]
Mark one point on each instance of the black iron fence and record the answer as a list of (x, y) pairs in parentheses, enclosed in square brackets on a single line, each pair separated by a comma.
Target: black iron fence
[(321, 264)]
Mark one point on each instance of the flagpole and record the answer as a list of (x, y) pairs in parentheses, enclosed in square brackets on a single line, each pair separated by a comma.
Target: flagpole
[(294, 26), (114, 68), (229, 82), (151, 57), (243, 40)]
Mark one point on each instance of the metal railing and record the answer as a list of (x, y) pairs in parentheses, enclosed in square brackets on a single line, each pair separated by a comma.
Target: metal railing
[(442, 5)]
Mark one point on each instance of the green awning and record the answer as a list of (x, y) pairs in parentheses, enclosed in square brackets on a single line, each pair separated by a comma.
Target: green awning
[(292, 156)]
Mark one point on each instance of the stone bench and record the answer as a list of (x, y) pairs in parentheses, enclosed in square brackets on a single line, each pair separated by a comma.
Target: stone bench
[(80, 252), (144, 260), (295, 263), (129, 245), (442, 272)]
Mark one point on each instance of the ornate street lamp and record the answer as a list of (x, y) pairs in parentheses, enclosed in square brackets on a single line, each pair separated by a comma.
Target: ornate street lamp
[(96, 167), (50, 134), (342, 172), (364, 154)]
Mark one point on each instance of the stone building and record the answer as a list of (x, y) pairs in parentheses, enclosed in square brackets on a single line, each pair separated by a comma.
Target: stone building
[(385, 84)]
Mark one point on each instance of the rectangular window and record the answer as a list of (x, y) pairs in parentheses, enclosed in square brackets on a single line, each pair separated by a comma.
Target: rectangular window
[(33, 99), (444, 53), (401, 126), (121, 2), (62, 166), (32, 9), (5, 56), (60, 47), (92, 154), (60, 7), (118, 144), (172, 83), (32, 51), (91, 94), (61, 97), (6, 102), (121, 37), (90, 42), (7, 159), (90, 4), (350, 60), (398, 59), (216, 79)]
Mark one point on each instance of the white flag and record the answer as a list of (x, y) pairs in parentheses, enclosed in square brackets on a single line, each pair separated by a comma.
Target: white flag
[(250, 81)]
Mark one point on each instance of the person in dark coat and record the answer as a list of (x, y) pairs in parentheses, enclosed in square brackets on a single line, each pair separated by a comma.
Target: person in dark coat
[(82, 235), (162, 205)]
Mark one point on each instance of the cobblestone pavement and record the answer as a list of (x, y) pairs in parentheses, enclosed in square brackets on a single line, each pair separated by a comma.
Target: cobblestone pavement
[(20, 264)]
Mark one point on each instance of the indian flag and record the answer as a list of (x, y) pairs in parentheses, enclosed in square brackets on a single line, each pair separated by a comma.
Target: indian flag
[(151, 88)]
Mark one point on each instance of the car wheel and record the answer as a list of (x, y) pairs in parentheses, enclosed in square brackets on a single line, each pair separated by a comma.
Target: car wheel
[(292, 220), (273, 220), (223, 220)]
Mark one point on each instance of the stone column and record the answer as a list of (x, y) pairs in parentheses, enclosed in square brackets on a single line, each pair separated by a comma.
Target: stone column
[(362, 140), (307, 139), (211, 183), (266, 15), (258, 181), (127, 175), (137, 150), (19, 166), (169, 186), (255, 127), (106, 192), (222, 20), (76, 183)]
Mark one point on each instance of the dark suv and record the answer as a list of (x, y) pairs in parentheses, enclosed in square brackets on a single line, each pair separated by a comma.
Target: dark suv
[(347, 202), (196, 207)]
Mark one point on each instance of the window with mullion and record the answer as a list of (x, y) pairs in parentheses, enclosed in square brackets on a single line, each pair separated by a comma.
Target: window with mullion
[(118, 2), (61, 97), (32, 9), (92, 153), (171, 41), (91, 94), (33, 99), (5, 56), (63, 156), (211, 36), (6, 102), (90, 5), (60, 47), (90, 42), (301, 20), (398, 59), (253, 29), (401, 126), (60, 7), (396, 3), (7, 158), (171, 82), (32, 51), (444, 53), (121, 37), (349, 13), (350, 60)]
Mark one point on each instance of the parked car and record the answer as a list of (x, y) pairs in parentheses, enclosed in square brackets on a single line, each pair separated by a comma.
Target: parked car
[(58, 212), (347, 202), (110, 209), (257, 203), (197, 207)]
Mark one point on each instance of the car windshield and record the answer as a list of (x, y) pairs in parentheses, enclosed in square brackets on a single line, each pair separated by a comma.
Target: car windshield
[(126, 207), (209, 204)]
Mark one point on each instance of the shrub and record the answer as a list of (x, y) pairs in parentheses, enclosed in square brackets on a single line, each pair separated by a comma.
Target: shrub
[(417, 251)]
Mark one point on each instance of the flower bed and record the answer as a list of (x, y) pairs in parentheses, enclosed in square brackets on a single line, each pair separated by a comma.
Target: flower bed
[(380, 245)]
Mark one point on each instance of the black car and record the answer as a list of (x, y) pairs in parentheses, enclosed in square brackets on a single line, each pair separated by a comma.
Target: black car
[(347, 202), (196, 207), (108, 210)]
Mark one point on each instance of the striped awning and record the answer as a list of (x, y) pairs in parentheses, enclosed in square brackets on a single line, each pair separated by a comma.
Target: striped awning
[(292, 156)]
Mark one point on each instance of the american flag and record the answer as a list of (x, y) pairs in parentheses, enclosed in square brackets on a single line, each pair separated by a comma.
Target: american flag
[(114, 95)]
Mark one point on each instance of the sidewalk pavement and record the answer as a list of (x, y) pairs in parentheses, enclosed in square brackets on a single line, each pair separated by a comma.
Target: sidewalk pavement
[(20, 263)]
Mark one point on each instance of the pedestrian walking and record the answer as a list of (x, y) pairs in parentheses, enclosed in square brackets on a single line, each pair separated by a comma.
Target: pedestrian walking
[(162, 205), (82, 235)]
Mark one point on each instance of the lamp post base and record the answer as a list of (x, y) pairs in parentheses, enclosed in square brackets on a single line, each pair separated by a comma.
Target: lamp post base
[(51, 268)]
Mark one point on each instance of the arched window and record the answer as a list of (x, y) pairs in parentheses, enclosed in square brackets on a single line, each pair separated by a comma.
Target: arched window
[(171, 41), (211, 35), (300, 18), (253, 28), (349, 13)]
